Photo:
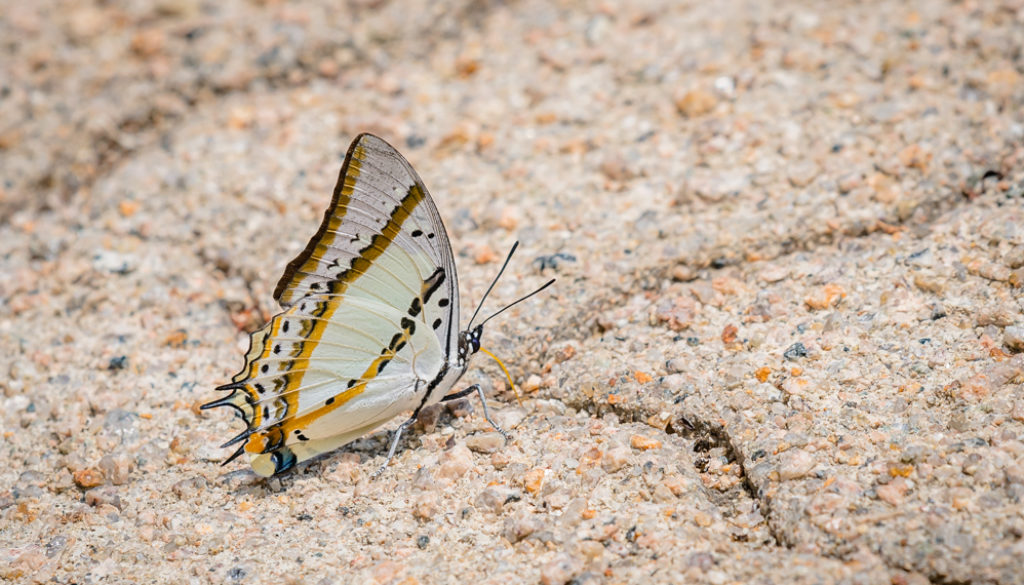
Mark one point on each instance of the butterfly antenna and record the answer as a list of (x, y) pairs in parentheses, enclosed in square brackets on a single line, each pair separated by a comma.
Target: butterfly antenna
[(514, 303), (493, 282)]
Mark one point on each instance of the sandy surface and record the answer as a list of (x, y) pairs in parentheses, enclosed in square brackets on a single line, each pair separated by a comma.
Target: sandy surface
[(785, 345)]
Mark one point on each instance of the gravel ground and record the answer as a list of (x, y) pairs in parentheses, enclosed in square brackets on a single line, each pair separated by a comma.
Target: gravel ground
[(786, 344)]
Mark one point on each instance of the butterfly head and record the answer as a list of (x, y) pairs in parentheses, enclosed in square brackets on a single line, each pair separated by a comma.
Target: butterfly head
[(470, 342)]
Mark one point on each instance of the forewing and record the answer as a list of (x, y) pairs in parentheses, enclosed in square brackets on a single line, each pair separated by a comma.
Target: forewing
[(374, 185)]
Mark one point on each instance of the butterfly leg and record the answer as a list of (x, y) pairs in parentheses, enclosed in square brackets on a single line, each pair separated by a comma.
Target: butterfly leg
[(394, 445), (483, 400)]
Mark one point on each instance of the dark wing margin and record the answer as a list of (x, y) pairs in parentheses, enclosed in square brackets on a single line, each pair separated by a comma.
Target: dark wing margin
[(332, 215)]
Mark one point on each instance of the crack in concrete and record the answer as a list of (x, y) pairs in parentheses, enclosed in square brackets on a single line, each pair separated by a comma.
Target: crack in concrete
[(707, 436)]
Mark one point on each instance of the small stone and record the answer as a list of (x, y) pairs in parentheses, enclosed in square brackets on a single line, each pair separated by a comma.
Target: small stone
[(456, 462), (459, 408), (849, 182), (190, 487), (56, 546), (428, 417), (678, 313), (559, 570), (520, 526), (387, 571), (494, 498), (425, 506), (509, 418), (116, 469), (615, 169), (103, 495), (485, 442), (675, 484), (615, 459), (1015, 257), (795, 464), (1013, 337), (825, 297), (29, 562), (803, 173), (773, 274), (29, 485), (533, 480), (500, 460), (893, 492), (929, 283), (998, 316), (532, 384), (676, 365), (795, 352), (683, 273), (644, 443), (1017, 412), (702, 519), (148, 42), (88, 478), (696, 103)]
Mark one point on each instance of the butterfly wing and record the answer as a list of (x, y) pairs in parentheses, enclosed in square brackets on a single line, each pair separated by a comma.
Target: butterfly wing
[(374, 187), (371, 308)]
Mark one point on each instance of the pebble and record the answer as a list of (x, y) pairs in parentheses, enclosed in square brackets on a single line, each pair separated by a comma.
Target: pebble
[(122, 424), (500, 460), (795, 352), (702, 519), (998, 316), (849, 182), (494, 497), (930, 283), (676, 365), (773, 274), (88, 478), (489, 442), (387, 571), (29, 485), (696, 103), (559, 570), (893, 492), (99, 496), (115, 468), (644, 443), (1013, 337), (425, 506), (533, 480), (803, 173), (824, 297), (532, 384), (509, 418), (615, 459), (455, 462), (189, 487), (795, 464), (521, 525), (684, 273), (615, 169)]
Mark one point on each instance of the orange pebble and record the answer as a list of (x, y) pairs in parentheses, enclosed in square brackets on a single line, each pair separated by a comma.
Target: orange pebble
[(644, 443)]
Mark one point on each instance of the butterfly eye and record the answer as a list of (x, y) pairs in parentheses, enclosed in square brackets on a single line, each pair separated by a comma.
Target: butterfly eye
[(474, 337)]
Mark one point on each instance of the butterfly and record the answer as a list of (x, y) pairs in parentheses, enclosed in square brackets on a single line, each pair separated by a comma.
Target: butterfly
[(369, 327)]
